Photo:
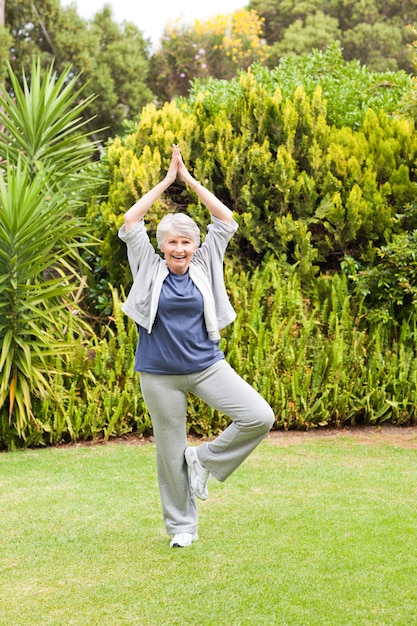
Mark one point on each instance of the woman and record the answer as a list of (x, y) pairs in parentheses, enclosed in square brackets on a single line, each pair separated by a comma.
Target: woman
[(180, 304)]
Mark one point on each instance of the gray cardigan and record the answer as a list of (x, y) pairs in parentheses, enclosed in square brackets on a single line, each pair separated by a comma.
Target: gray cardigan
[(149, 271)]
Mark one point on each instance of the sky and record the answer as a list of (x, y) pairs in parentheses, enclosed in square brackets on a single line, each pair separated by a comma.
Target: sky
[(151, 16)]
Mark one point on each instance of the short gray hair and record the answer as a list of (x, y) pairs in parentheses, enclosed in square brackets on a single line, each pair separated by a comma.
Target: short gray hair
[(177, 224)]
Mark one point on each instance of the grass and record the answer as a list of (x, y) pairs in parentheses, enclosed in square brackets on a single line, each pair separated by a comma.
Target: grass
[(318, 531)]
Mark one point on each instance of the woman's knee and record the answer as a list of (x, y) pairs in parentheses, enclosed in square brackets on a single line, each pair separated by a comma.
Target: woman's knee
[(263, 419), (268, 419)]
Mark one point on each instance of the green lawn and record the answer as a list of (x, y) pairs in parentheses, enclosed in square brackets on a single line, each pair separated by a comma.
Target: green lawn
[(308, 532)]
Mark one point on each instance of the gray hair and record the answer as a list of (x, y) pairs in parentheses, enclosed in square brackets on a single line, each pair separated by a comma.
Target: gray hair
[(177, 224)]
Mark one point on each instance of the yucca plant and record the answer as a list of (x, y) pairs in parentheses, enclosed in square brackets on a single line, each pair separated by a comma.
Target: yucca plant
[(43, 148), (37, 283), (44, 125)]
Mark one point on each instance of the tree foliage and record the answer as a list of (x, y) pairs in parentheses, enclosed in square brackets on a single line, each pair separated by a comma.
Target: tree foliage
[(409, 102), (373, 31), (5, 44), (111, 60), (216, 47)]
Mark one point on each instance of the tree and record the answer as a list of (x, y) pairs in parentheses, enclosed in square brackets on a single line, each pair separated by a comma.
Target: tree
[(373, 31), (120, 72), (43, 147), (216, 47), (278, 15), (409, 104), (379, 46), (111, 59), (317, 31)]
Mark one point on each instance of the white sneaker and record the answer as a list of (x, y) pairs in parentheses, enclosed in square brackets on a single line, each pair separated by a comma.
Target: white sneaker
[(197, 474), (183, 540)]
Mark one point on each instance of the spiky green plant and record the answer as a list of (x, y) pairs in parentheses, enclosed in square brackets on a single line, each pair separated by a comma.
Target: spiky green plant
[(37, 282), (43, 148), (43, 124)]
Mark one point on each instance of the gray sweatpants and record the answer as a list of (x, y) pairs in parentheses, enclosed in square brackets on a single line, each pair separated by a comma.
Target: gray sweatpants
[(224, 390)]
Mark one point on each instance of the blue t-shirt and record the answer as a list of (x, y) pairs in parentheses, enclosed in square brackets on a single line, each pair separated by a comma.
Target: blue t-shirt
[(178, 343)]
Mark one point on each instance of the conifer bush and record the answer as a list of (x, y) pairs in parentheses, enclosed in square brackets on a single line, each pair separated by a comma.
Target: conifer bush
[(272, 151)]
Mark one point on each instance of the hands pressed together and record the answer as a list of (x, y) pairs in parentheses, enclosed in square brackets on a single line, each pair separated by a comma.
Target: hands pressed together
[(178, 168)]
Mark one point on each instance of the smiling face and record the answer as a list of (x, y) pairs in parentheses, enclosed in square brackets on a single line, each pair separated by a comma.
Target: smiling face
[(178, 251)]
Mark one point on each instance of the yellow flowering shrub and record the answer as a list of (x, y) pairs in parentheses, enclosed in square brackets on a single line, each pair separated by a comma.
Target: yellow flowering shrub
[(216, 47)]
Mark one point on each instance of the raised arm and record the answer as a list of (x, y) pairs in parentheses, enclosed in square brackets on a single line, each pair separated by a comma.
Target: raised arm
[(213, 204), (140, 208)]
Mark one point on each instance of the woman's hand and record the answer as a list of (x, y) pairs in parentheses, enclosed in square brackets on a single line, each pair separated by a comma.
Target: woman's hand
[(214, 205), (183, 173), (172, 172), (140, 208)]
